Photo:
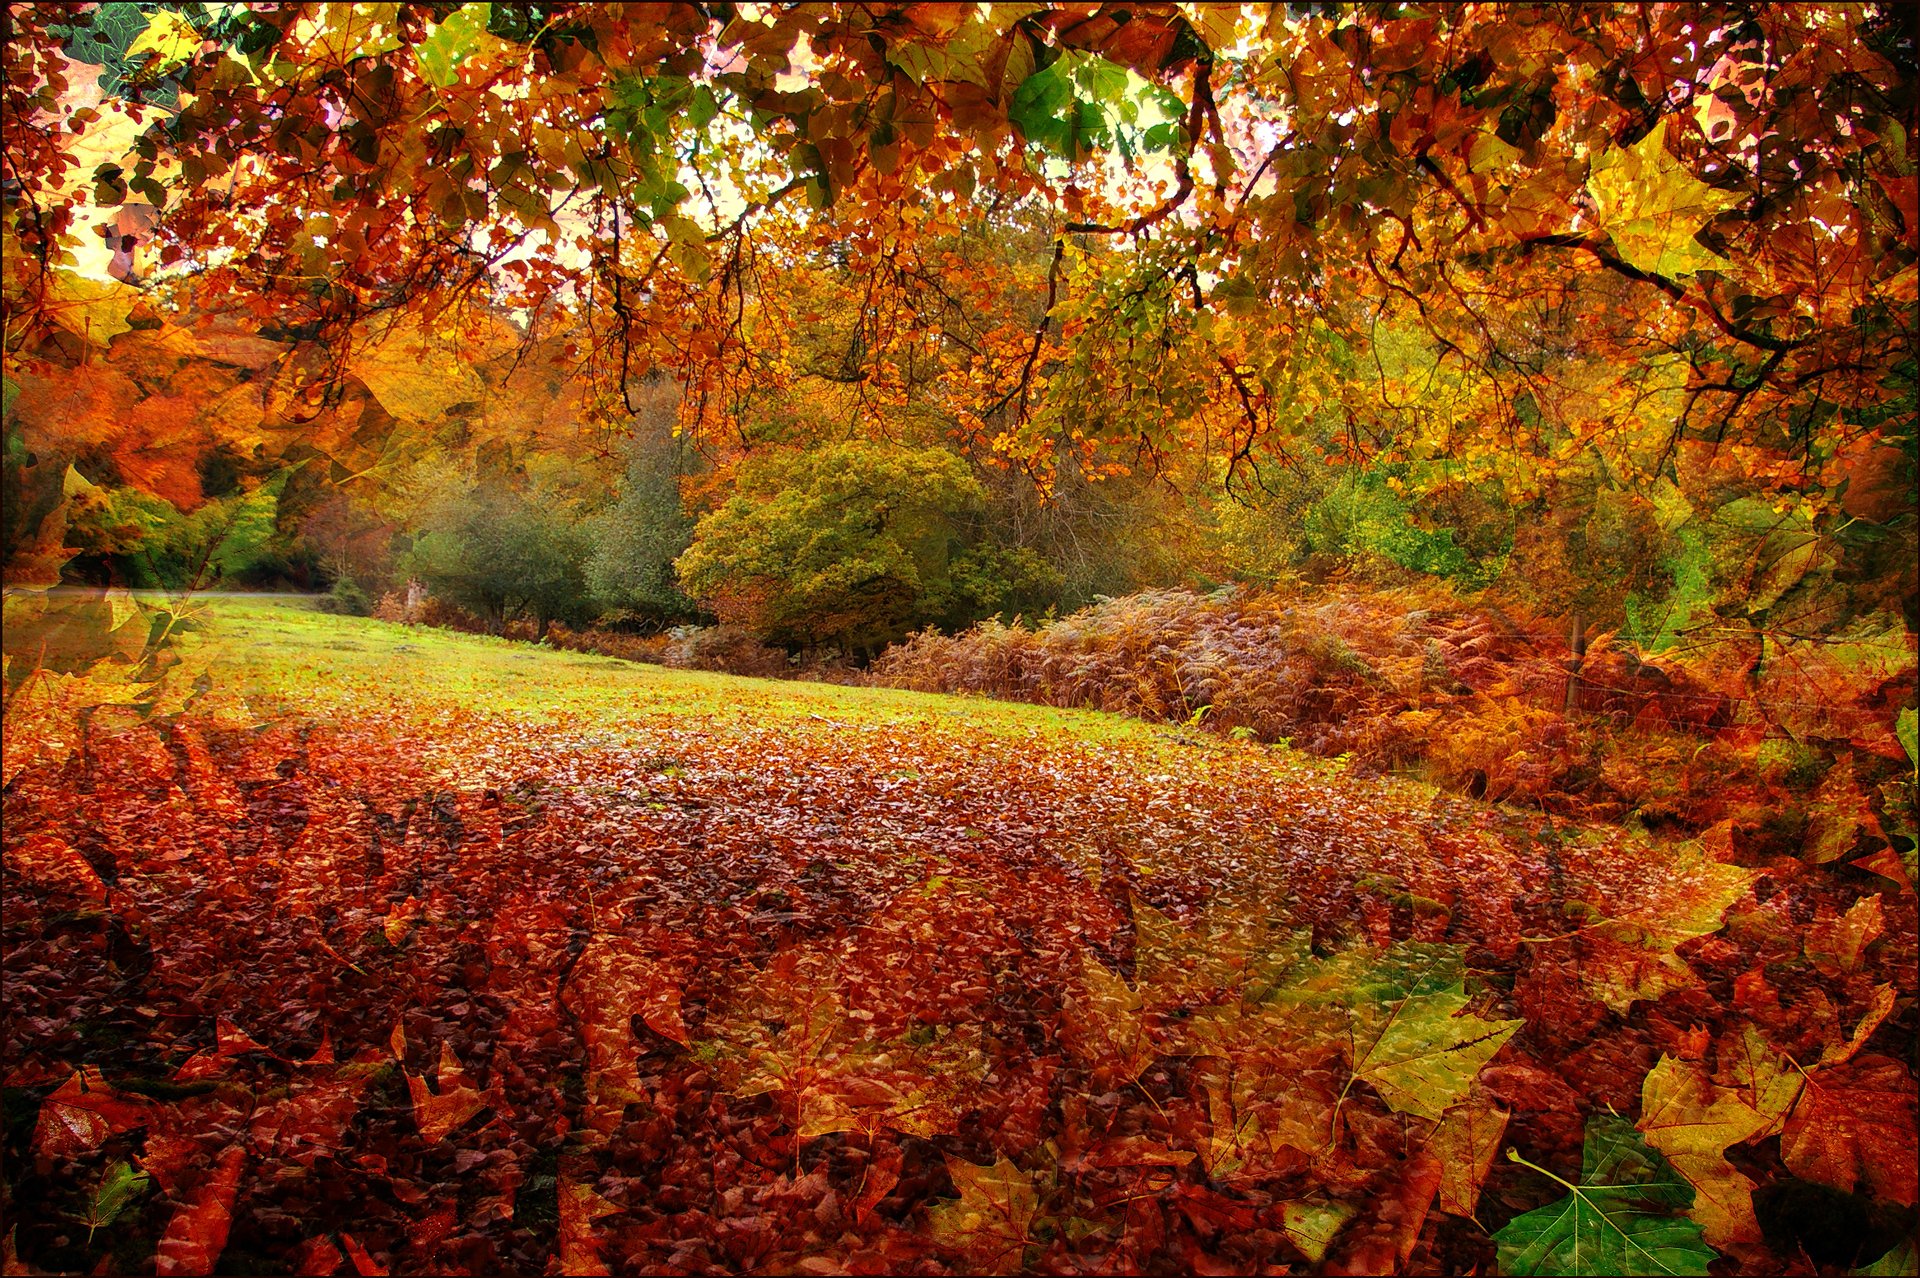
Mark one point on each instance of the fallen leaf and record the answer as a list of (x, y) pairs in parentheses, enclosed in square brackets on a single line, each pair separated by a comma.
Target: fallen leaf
[(1692, 1122), (197, 1233), (1855, 1124)]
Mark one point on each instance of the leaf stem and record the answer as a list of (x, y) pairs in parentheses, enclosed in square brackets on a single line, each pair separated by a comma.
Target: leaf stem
[(1513, 1156)]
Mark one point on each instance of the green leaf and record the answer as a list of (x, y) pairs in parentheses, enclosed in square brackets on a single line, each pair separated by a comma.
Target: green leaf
[(119, 1185), (452, 42), (1906, 726), (170, 38), (1311, 1226), (1412, 1042), (1901, 1262), (992, 1222), (955, 57), (1622, 1218)]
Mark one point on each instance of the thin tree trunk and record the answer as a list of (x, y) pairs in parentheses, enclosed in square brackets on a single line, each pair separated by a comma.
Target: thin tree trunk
[(1577, 644)]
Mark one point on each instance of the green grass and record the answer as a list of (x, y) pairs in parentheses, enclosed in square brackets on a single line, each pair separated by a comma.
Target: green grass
[(288, 658)]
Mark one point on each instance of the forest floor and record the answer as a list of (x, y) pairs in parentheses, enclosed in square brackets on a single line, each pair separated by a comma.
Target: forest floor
[(412, 951)]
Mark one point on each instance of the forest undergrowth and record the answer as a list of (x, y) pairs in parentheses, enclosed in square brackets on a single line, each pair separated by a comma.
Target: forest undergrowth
[(1792, 743), (407, 989)]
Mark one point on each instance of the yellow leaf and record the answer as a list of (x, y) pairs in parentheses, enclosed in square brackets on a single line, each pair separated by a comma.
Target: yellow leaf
[(1653, 207), (1750, 1069), (1693, 1122), (1465, 1143), (169, 37), (90, 308), (1837, 944)]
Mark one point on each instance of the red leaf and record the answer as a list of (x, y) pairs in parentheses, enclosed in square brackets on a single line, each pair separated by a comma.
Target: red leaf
[(317, 1258), (197, 1234), (1855, 1122), (363, 1264), (882, 1174), (83, 1113)]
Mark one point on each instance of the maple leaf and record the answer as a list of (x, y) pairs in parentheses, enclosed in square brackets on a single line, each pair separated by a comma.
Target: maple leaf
[(1653, 207), (95, 309), (1465, 1143), (1854, 1123), (83, 1112), (1837, 944), (1622, 1218), (1103, 1025), (1420, 1052), (580, 1206), (830, 1075), (118, 1186), (1383, 1242), (1312, 1226), (416, 373), (1884, 997), (1405, 1030), (439, 1114), (1761, 1077), (197, 1232), (1270, 1114), (1688, 1119), (992, 1223), (1628, 955), (1233, 948), (615, 979)]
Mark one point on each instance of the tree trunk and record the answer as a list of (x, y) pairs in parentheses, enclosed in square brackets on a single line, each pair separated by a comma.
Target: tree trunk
[(1577, 644)]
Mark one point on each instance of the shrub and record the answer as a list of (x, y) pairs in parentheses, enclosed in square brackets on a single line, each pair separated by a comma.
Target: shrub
[(851, 545), (499, 552), (1470, 697), (347, 598)]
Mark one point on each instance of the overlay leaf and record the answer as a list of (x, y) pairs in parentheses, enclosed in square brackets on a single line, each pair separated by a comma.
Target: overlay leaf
[(992, 1222), (119, 1185), (1622, 1218), (1312, 1226), (1855, 1124), (1653, 207), (1465, 1143), (440, 1113), (1688, 1119), (1759, 1076)]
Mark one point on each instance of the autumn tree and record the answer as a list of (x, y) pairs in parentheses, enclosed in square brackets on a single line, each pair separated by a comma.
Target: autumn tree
[(503, 551)]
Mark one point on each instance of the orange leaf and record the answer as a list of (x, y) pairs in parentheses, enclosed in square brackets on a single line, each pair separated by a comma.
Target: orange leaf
[(363, 1263), (458, 1100), (1855, 1122), (1465, 1143), (83, 1113), (197, 1234)]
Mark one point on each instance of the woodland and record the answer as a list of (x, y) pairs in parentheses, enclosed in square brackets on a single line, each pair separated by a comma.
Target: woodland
[(960, 638)]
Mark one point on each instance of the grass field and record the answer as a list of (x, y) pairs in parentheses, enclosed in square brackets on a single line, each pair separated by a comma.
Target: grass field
[(293, 659)]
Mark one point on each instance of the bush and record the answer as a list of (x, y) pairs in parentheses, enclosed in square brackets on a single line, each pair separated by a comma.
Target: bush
[(726, 649), (499, 552), (851, 545), (347, 599), (636, 539)]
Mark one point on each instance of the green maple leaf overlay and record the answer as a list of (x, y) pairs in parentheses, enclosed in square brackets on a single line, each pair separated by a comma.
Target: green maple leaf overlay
[(1624, 1217), (119, 1185), (1653, 207), (1398, 1016), (1413, 1040), (992, 1222)]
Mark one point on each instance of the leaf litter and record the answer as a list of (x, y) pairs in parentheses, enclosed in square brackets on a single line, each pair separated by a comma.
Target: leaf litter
[(485, 994)]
